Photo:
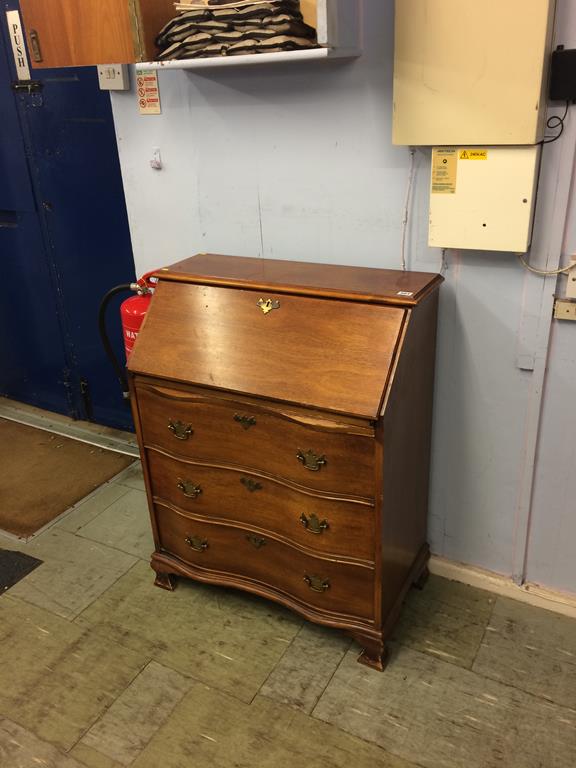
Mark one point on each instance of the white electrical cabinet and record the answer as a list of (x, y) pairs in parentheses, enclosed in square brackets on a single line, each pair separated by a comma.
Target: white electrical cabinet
[(483, 198), (469, 72)]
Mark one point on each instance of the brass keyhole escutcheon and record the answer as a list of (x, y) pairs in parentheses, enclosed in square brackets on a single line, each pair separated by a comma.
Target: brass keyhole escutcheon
[(245, 421), (267, 305), (188, 488), (311, 460), (313, 524), (180, 430), (250, 485), (316, 583), (256, 541), (196, 543)]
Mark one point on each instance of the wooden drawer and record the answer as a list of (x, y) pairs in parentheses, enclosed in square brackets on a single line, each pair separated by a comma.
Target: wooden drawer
[(321, 523), (256, 437), (324, 584)]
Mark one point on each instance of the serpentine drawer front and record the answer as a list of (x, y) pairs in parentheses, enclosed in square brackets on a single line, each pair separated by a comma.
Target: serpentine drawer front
[(283, 412), (329, 455), (323, 523), (322, 584)]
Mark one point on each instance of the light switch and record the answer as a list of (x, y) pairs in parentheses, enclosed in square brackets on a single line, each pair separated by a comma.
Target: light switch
[(113, 77)]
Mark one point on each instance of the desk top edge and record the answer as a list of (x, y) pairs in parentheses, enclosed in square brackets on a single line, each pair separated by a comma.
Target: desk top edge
[(364, 284)]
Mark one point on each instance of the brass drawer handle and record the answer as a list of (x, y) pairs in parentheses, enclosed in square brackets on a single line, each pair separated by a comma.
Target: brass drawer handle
[(256, 541), (250, 484), (311, 461), (180, 430), (197, 544), (188, 488), (313, 524), (317, 583), (245, 421)]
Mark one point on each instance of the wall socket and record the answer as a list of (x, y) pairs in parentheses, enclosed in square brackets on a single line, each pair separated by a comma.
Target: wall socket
[(571, 284)]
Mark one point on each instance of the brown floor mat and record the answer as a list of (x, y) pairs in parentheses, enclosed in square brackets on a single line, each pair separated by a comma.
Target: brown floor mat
[(43, 474)]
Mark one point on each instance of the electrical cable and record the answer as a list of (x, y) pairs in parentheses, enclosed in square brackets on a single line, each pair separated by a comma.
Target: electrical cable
[(118, 368), (545, 272), (553, 122), (407, 207)]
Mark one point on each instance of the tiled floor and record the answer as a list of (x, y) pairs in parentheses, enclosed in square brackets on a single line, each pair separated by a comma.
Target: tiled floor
[(101, 669)]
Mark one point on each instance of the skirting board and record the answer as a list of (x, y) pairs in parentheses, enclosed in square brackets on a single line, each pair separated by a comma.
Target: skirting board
[(533, 594)]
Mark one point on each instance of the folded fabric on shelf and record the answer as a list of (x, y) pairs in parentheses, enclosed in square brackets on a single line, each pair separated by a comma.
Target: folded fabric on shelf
[(215, 28), (190, 43), (259, 11), (273, 45), (208, 5)]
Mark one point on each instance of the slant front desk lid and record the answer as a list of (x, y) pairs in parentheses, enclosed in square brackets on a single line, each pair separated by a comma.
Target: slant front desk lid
[(302, 340)]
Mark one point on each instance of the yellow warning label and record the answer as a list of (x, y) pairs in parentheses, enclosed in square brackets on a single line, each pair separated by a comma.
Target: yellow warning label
[(473, 154), (444, 169)]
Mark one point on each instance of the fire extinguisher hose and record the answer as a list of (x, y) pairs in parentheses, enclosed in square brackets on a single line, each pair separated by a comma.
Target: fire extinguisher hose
[(118, 367)]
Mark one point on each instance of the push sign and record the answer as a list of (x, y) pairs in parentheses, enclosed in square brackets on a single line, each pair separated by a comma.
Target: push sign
[(18, 45)]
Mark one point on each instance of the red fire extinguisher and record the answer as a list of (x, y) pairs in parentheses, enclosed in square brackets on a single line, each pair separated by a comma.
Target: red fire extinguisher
[(132, 313), (133, 310)]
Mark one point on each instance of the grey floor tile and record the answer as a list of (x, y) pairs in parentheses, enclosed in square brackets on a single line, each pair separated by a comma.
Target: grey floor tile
[(132, 477), (209, 729), (445, 619), (56, 678), (91, 758), (229, 640), (85, 511), (305, 670), (531, 649), (124, 524), (73, 574), (138, 713), (21, 749), (437, 714)]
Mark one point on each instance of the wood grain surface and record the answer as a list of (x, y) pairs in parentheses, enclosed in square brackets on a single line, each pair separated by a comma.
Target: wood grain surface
[(228, 397), (77, 32), (273, 509), (325, 354), (350, 589), (380, 286), (270, 444)]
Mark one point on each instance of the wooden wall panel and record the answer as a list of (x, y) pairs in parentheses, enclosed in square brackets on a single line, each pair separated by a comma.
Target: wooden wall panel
[(78, 33)]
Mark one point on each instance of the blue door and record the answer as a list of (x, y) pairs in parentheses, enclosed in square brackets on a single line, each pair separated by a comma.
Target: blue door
[(64, 241)]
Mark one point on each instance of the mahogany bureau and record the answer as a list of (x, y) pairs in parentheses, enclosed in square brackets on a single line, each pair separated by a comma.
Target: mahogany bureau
[(283, 412)]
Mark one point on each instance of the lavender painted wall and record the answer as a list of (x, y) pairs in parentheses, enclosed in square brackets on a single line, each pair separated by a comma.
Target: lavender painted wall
[(296, 162)]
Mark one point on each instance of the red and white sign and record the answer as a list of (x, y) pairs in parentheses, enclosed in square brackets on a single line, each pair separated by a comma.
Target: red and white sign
[(148, 92)]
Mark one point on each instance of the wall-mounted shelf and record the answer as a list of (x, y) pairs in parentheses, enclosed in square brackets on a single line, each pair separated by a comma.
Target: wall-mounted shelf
[(311, 54), (69, 33)]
